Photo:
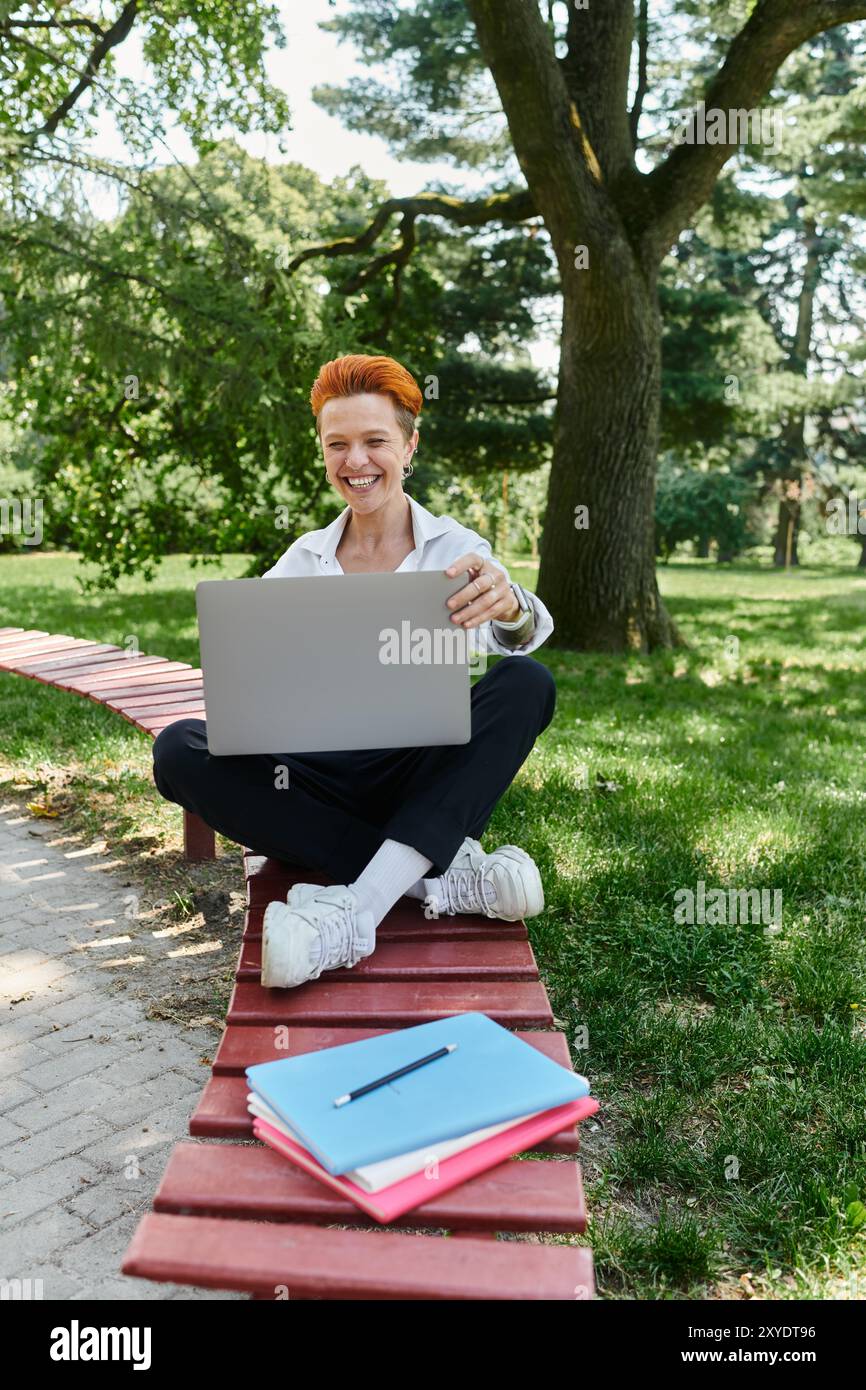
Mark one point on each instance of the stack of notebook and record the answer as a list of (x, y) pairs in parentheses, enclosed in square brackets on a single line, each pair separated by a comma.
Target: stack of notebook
[(401, 1144)]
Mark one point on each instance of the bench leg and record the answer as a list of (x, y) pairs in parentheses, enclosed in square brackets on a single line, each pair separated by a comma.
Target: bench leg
[(198, 838)]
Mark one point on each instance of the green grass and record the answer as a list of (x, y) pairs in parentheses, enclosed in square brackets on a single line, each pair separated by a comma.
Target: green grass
[(730, 1061)]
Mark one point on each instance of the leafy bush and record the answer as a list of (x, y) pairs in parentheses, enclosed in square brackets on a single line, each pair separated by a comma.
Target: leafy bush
[(703, 506)]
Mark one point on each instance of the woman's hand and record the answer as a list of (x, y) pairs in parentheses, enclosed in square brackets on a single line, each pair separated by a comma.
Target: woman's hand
[(487, 595)]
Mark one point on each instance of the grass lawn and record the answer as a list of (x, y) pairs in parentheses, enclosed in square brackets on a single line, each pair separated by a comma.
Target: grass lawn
[(730, 1060)]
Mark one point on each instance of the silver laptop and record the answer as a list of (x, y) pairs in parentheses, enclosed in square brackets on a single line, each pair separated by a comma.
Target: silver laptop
[(303, 665)]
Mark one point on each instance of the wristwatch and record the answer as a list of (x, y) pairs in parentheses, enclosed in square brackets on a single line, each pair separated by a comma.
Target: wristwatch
[(525, 607)]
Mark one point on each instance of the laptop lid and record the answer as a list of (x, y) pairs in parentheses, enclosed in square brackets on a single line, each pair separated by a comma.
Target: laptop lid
[(333, 662)]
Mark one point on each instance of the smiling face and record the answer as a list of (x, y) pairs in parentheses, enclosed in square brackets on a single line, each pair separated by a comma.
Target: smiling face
[(364, 449)]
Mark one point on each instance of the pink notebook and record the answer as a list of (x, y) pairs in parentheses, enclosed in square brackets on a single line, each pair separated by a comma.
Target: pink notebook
[(414, 1191)]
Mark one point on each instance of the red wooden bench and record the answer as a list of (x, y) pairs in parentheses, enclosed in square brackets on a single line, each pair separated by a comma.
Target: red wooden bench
[(235, 1215), (147, 690)]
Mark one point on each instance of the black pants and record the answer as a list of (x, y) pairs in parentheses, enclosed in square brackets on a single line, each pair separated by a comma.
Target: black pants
[(339, 808)]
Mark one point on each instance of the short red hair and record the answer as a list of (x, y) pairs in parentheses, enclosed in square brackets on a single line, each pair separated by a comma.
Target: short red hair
[(357, 375)]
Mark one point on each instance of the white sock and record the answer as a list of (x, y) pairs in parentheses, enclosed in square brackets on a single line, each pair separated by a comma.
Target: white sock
[(434, 888), (392, 870), (425, 886)]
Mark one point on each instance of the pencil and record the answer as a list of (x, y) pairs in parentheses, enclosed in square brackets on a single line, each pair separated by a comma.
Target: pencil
[(392, 1076)]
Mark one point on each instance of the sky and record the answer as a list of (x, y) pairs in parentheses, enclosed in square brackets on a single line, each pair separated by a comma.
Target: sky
[(318, 140), (309, 59)]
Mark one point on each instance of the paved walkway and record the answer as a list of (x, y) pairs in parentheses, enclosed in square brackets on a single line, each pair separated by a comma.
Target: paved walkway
[(92, 1093)]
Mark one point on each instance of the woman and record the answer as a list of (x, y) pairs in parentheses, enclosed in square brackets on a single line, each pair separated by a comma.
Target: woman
[(389, 822)]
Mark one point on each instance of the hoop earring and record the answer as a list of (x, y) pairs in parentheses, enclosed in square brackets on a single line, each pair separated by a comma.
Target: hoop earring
[(408, 469)]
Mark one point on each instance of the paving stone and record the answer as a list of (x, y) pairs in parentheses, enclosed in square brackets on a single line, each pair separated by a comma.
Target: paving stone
[(71, 1136), (14, 1061), (144, 1066), (22, 1197), (38, 1239), (10, 1132), (41, 1003), (17, 1028), (81, 1003), (97, 1023), (115, 1197), (87, 1094), (80, 1060), (23, 977), (73, 1107), (147, 1143), (14, 1091)]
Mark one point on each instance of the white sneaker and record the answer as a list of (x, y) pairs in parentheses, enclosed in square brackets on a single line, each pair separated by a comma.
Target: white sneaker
[(505, 884), (315, 929)]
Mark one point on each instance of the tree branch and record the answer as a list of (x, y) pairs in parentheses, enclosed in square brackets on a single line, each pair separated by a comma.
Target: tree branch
[(8, 26), (110, 39), (552, 142), (498, 207), (775, 28), (596, 70), (642, 84), (400, 258)]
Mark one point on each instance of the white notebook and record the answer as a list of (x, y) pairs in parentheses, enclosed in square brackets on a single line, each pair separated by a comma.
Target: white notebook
[(374, 1176)]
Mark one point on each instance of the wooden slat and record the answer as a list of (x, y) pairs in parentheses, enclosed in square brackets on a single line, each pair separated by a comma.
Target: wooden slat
[(222, 1113), (199, 841), (152, 725), (261, 891), (311, 1262), (406, 922), (240, 1048), (86, 654), (254, 1183), (87, 665), (11, 655), (192, 705), (141, 668), (64, 678), (15, 635), (148, 696), (422, 960), (260, 864), (515, 1005), (269, 880)]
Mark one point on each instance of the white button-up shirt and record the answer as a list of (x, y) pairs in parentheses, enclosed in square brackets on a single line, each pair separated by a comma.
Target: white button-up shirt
[(439, 541)]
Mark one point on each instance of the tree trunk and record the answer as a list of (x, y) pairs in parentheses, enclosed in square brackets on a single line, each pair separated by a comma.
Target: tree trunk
[(599, 578), (611, 227), (702, 548), (787, 534), (794, 431)]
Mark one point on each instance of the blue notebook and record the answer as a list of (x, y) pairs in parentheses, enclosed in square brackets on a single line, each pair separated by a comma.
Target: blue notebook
[(492, 1076)]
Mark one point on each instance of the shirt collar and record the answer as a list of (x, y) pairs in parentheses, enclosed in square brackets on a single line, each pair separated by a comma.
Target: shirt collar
[(324, 542)]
